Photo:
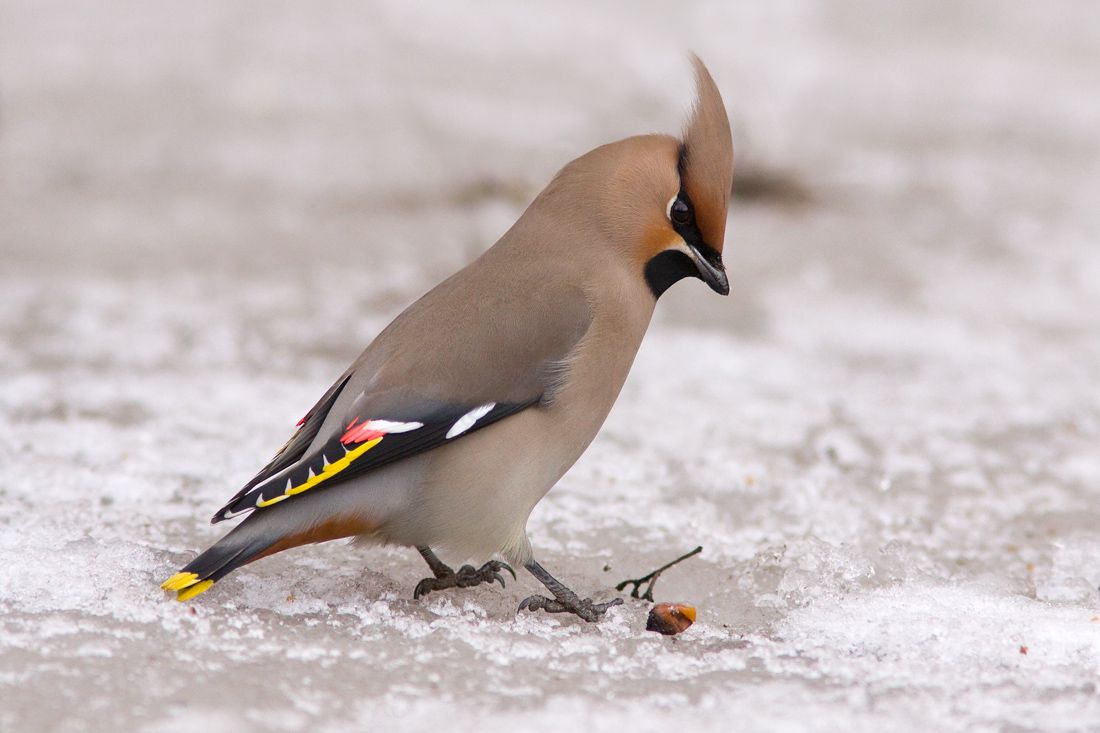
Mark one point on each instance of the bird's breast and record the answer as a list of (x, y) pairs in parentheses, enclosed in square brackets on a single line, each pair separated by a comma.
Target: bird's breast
[(593, 374)]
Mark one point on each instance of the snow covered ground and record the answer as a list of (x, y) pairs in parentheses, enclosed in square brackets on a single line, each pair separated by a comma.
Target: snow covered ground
[(887, 439)]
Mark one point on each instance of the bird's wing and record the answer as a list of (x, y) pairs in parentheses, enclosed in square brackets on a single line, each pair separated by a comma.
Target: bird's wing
[(437, 373), (307, 428), (295, 447)]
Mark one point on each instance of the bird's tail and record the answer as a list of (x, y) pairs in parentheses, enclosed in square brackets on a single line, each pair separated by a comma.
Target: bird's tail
[(222, 558)]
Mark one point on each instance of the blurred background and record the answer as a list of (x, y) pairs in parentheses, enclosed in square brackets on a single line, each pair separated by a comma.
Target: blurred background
[(885, 439)]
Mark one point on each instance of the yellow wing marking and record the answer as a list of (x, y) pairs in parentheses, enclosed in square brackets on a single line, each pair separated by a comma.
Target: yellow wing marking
[(326, 473)]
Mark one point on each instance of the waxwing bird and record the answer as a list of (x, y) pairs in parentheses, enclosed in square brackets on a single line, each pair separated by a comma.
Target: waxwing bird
[(472, 403)]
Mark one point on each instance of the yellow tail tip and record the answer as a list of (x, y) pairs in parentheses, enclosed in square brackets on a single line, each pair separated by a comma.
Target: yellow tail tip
[(179, 581), (190, 592)]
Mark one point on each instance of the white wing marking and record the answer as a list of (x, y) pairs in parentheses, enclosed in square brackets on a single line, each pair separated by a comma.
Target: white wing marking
[(390, 426), (467, 421)]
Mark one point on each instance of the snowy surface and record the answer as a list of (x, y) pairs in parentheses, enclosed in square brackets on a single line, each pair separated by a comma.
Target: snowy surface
[(887, 440)]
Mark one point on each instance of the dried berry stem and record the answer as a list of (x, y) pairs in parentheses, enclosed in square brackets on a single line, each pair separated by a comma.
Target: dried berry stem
[(652, 577)]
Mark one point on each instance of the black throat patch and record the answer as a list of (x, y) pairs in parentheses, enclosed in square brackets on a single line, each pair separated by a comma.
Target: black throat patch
[(667, 269)]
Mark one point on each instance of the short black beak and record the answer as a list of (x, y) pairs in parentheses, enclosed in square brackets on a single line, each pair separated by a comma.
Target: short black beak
[(711, 269)]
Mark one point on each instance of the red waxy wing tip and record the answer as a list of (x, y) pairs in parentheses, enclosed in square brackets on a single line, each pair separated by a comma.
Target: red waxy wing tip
[(360, 433)]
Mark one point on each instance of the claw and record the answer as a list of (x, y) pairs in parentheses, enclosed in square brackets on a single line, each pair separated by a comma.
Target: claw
[(534, 603), (422, 588), (499, 578)]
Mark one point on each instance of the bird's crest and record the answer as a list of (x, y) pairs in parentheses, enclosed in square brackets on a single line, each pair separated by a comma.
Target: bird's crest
[(706, 159)]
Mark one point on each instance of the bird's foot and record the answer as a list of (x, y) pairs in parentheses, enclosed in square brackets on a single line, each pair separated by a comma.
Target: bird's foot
[(583, 607), (465, 577), (564, 600)]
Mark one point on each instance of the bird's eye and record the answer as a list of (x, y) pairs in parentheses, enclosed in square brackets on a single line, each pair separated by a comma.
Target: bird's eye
[(680, 212)]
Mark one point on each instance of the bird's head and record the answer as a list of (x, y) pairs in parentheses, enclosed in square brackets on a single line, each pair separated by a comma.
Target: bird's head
[(661, 201), (696, 213)]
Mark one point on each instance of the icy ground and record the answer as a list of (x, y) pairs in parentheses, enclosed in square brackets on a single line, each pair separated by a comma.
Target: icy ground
[(887, 439)]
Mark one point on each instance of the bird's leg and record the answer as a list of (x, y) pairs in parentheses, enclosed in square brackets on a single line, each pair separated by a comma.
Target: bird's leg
[(564, 600), (439, 568), (466, 576), (652, 577)]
